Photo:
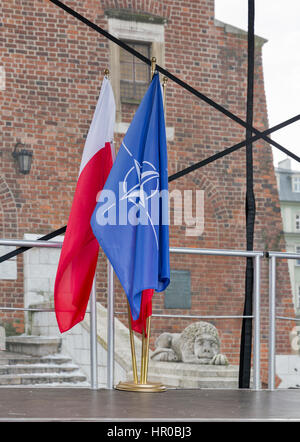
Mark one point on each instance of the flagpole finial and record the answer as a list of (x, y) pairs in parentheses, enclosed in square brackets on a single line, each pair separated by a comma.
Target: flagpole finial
[(106, 73), (153, 65)]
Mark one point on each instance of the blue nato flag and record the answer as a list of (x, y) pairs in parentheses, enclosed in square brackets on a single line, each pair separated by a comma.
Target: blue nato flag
[(130, 220)]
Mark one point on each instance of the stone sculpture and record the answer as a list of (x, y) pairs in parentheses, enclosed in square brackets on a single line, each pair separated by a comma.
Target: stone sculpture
[(199, 343)]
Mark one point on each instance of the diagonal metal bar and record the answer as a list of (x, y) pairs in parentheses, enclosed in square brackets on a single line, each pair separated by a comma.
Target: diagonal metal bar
[(186, 170), (173, 177), (47, 237), (172, 77), (231, 149)]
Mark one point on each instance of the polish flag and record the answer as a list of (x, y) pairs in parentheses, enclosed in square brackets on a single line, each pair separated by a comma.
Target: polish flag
[(79, 254)]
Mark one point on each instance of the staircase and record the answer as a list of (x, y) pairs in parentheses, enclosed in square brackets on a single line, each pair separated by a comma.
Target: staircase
[(36, 361)]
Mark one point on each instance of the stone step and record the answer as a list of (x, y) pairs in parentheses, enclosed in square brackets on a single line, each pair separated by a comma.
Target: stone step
[(17, 369), (33, 345), (42, 378), (58, 360), (36, 368)]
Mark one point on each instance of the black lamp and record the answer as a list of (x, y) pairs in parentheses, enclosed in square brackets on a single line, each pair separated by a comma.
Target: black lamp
[(23, 158)]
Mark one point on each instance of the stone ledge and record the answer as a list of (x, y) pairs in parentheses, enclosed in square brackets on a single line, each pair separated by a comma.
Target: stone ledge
[(182, 375), (180, 368), (130, 15), (33, 345), (230, 29)]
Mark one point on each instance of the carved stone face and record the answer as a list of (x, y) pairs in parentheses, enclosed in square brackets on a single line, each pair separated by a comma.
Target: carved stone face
[(205, 348)]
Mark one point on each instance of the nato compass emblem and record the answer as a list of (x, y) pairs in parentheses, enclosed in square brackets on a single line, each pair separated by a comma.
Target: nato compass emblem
[(136, 194)]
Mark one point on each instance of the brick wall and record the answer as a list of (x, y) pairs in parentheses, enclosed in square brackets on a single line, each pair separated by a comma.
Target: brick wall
[(53, 68)]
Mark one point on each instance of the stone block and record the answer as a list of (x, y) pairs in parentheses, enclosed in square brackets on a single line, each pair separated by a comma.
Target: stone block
[(33, 345), (8, 269), (2, 338)]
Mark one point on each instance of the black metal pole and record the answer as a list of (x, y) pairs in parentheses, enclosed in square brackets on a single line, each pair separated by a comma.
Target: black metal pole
[(246, 335)]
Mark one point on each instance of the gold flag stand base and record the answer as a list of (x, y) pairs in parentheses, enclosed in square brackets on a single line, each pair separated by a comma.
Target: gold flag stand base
[(141, 388), (142, 385)]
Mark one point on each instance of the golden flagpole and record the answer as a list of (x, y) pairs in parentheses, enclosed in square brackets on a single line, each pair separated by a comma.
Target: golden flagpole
[(143, 385), (164, 85), (146, 352), (133, 356), (143, 381), (146, 339)]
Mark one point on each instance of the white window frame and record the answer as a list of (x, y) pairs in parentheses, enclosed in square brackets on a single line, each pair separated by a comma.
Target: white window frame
[(296, 183), (126, 30)]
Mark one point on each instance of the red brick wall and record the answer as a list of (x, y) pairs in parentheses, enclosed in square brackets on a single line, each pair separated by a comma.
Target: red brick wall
[(54, 67)]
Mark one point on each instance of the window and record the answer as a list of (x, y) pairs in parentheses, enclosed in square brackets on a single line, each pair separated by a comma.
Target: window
[(134, 74), (296, 184), (297, 251), (129, 76), (297, 222)]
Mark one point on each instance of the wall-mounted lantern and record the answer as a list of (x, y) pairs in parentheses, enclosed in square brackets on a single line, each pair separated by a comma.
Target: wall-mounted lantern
[(23, 158)]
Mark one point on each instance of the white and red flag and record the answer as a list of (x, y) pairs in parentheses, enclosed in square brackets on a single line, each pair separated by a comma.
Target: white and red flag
[(79, 254)]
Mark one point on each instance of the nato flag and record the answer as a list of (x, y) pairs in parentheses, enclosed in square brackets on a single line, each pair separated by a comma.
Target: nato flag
[(130, 219)]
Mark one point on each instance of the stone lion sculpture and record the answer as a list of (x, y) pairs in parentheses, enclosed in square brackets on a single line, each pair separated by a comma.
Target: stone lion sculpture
[(199, 343)]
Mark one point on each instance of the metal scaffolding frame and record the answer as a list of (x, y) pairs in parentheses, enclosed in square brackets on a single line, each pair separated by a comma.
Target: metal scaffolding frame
[(273, 256), (255, 255)]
